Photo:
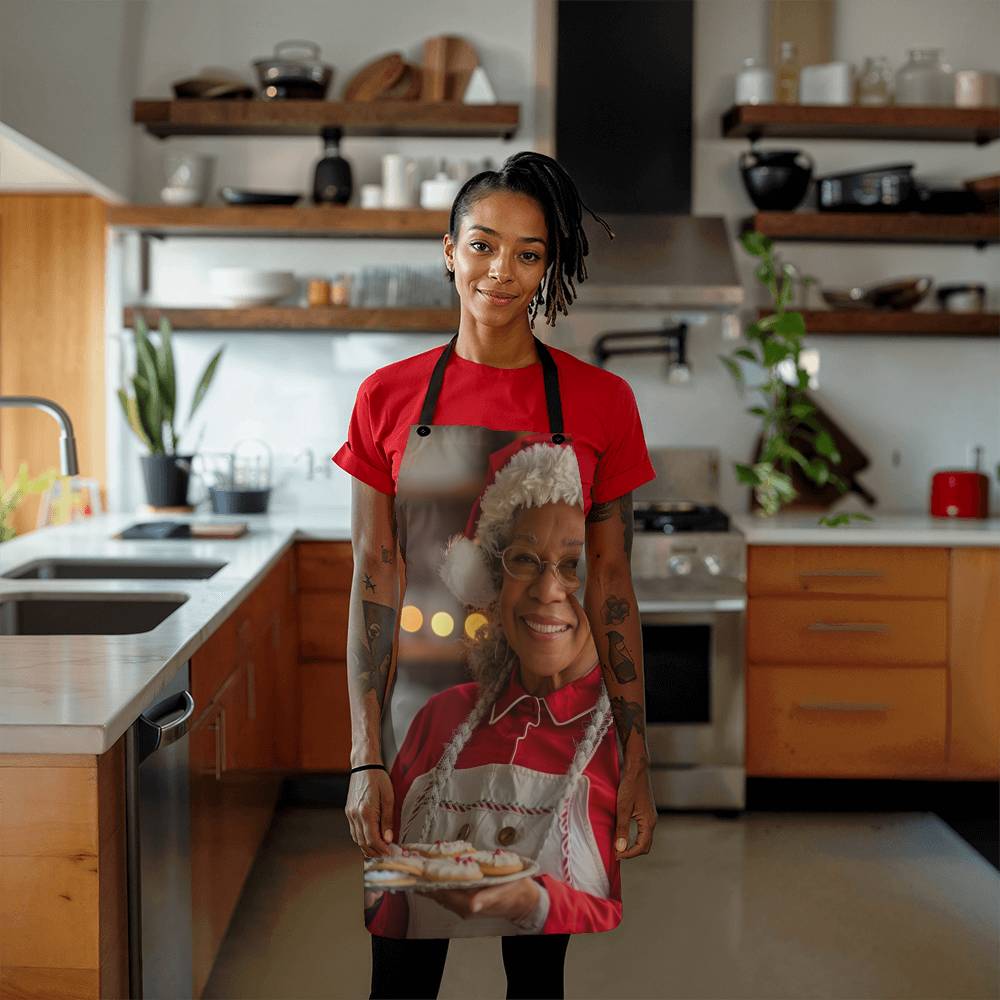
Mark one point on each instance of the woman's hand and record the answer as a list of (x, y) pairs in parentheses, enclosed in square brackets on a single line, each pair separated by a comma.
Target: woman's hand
[(369, 811), (635, 801), (514, 900)]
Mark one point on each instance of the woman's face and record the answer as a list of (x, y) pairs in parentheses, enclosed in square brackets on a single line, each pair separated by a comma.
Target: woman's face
[(499, 256), (542, 619)]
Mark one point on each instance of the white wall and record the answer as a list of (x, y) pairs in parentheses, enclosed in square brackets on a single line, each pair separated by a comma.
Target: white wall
[(922, 401)]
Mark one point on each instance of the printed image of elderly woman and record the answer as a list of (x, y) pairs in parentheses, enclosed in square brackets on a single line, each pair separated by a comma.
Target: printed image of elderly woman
[(524, 757)]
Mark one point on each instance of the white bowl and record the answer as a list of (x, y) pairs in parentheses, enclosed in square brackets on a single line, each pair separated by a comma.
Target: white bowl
[(180, 196), (251, 286)]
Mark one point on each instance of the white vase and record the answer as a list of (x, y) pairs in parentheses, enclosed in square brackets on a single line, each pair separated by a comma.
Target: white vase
[(399, 176)]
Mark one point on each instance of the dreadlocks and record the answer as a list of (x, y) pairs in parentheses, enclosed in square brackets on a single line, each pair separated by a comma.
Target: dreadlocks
[(542, 178)]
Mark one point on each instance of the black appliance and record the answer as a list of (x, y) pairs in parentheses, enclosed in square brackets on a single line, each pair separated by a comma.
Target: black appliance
[(875, 189), (332, 181)]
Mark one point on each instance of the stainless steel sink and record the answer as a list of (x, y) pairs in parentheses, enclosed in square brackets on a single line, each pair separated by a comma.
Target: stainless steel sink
[(82, 614), (112, 569)]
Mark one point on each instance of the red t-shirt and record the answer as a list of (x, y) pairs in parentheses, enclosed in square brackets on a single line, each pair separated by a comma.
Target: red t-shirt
[(599, 415)]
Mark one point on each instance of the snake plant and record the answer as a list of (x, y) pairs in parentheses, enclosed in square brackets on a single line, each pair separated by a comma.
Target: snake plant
[(150, 409), (787, 416)]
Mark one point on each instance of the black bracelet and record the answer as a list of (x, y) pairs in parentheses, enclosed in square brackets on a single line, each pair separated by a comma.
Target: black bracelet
[(365, 767)]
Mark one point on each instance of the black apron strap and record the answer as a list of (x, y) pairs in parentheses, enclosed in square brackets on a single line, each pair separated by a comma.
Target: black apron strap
[(550, 376)]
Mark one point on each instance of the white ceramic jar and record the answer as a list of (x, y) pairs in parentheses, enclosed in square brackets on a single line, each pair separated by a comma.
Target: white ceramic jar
[(754, 83)]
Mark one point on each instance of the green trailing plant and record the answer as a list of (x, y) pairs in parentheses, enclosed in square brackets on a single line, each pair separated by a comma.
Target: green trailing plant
[(774, 344), (150, 409), (12, 495)]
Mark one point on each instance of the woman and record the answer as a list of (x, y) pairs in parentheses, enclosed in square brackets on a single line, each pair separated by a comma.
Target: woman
[(533, 731), (418, 447)]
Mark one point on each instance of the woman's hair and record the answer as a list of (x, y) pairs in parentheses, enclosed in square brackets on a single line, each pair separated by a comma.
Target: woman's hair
[(542, 178), (492, 661)]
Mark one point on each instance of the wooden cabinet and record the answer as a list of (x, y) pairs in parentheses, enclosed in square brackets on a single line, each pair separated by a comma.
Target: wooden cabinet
[(238, 751), (848, 661), (324, 571)]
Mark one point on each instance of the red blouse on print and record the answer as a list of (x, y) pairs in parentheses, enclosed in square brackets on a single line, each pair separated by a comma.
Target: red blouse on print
[(599, 413)]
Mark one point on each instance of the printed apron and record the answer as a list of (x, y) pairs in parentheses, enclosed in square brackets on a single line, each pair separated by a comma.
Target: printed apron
[(441, 474)]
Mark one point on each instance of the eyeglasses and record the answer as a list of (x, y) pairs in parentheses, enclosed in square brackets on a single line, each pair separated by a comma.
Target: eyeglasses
[(524, 564)]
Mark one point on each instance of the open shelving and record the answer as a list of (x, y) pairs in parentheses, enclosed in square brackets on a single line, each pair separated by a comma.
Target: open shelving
[(881, 322), (408, 319), (164, 118), (890, 122), (884, 227)]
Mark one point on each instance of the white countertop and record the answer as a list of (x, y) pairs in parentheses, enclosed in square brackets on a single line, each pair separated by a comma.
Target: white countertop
[(885, 529), (78, 694)]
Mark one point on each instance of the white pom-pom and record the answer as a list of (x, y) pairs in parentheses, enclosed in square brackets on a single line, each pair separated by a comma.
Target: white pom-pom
[(465, 570)]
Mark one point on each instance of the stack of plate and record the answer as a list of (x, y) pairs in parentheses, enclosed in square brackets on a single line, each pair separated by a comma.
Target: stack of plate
[(251, 286)]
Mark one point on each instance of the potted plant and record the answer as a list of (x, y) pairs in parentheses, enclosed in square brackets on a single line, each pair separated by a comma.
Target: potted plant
[(11, 496), (150, 411), (789, 420)]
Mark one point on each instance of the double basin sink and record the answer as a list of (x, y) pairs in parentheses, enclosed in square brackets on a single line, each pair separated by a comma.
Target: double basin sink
[(74, 613)]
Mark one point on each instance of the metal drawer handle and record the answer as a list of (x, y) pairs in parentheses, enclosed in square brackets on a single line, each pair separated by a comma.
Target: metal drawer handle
[(873, 574), (879, 627), (219, 726), (842, 706)]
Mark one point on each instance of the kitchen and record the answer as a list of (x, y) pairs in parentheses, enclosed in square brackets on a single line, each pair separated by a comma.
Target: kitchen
[(870, 907)]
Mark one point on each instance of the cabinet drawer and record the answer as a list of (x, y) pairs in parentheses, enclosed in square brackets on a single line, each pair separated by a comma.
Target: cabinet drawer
[(819, 630), (326, 717), (874, 570), (846, 721), (324, 565), (323, 625)]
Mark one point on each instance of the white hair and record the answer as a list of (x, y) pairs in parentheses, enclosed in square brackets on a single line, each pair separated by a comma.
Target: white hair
[(533, 477)]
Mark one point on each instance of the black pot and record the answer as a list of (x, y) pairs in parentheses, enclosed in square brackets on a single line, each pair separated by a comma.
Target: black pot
[(166, 478), (776, 179)]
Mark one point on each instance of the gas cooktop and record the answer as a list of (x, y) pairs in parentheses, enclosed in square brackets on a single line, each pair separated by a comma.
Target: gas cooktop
[(679, 516)]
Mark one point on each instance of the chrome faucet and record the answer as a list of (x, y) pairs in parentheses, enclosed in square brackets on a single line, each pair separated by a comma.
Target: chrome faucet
[(67, 442)]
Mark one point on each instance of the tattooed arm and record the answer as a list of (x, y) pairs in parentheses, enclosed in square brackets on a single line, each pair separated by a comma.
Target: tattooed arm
[(614, 620), (372, 630)]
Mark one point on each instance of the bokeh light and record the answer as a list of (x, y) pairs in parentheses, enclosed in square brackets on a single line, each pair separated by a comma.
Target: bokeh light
[(410, 618), (473, 623), (442, 623)]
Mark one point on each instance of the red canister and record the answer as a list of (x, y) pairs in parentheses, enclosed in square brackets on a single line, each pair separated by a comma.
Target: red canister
[(960, 493)]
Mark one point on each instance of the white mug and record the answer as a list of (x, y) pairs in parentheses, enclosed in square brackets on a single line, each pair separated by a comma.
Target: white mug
[(371, 195), (398, 181)]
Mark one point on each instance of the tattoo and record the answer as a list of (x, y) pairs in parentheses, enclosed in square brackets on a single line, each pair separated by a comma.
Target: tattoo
[(628, 520), (615, 610), (628, 717), (387, 556), (380, 621), (369, 583), (600, 512), (619, 658)]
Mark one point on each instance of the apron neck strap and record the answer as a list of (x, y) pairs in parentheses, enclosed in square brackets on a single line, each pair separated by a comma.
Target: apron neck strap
[(550, 376)]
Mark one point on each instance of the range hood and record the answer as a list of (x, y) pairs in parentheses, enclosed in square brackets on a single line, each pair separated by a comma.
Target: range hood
[(660, 262)]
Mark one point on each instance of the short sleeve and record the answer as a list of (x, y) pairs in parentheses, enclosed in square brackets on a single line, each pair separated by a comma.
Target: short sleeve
[(362, 455), (624, 464)]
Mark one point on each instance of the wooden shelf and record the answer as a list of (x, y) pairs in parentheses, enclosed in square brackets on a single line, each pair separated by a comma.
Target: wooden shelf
[(865, 227), (878, 322), (398, 320), (819, 121), (269, 220), (258, 117)]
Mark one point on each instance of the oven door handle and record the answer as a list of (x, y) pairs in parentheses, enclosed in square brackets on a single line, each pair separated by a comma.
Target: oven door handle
[(653, 607)]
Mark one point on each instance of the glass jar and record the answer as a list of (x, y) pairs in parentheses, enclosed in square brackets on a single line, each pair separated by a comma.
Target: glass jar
[(924, 79), (787, 76), (754, 83), (875, 82)]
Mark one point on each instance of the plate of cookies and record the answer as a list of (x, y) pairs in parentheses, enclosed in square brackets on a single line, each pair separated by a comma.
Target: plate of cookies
[(444, 864)]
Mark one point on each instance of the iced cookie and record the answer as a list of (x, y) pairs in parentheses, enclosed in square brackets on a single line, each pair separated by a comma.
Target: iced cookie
[(400, 861), (387, 878), (452, 870), (444, 848), (498, 862)]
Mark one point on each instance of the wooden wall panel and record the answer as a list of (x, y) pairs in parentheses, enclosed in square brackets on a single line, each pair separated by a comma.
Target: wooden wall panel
[(52, 332)]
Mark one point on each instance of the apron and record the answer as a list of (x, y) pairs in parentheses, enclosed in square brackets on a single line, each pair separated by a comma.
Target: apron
[(441, 475)]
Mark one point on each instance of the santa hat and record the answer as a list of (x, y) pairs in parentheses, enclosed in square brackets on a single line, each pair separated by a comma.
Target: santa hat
[(526, 473)]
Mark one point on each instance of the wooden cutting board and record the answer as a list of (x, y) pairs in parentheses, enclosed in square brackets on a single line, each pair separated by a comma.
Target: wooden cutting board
[(448, 64), (376, 77)]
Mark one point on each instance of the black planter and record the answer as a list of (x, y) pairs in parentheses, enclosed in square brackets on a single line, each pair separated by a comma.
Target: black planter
[(166, 478)]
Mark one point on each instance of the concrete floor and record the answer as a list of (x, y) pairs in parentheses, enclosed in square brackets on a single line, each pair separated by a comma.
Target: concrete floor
[(767, 905)]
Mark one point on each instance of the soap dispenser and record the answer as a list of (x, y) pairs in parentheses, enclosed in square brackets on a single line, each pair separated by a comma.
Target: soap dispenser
[(332, 183)]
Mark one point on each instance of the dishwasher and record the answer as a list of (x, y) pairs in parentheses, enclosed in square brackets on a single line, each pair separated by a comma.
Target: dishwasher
[(158, 845)]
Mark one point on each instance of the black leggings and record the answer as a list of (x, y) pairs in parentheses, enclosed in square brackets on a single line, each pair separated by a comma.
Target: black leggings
[(411, 968)]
